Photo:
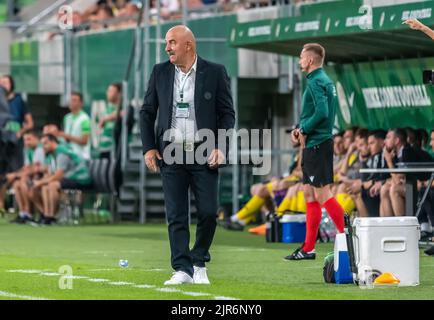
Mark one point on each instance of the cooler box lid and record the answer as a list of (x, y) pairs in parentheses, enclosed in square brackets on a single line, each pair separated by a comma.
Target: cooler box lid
[(386, 222), (293, 218)]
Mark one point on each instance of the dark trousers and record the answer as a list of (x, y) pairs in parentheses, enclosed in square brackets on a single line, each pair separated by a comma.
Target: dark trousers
[(203, 181), (427, 212), (372, 203)]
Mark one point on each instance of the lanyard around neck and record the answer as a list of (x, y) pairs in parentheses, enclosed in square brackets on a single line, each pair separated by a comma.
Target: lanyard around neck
[(181, 91)]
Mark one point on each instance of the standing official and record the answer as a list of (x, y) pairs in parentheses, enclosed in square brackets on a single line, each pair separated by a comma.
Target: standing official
[(186, 90), (315, 136)]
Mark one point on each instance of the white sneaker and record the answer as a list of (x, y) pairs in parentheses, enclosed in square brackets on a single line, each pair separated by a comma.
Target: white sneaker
[(179, 277), (200, 276)]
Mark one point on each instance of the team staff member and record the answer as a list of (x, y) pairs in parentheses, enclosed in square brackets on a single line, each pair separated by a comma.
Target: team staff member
[(186, 87)]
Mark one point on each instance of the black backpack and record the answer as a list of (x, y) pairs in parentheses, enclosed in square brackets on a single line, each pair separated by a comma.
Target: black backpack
[(329, 268)]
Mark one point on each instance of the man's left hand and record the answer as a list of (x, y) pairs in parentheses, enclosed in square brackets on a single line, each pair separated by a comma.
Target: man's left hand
[(301, 139), (216, 158), (102, 122), (38, 184), (355, 187)]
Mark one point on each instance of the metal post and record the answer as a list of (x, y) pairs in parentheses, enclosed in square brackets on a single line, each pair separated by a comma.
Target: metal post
[(11, 14), (75, 62), (296, 96), (425, 194), (142, 193), (124, 131), (42, 15), (137, 66), (158, 35), (234, 148), (67, 65), (184, 12)]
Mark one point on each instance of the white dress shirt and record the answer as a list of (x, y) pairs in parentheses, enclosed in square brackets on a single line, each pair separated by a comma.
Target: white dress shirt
[(185, 128)]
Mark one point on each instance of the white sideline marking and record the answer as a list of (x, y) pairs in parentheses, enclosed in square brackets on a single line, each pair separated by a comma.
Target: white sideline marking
[(224, 298), (98, 280), (195, 294), (153, 270), (144, 286), (50, 274), (168, 290), (75, 277), (121, 283), (25, 271), (115, 283), (13, 295), (95, 270)]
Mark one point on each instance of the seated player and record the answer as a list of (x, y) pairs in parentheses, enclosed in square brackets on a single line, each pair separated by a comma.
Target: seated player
[(372, 182), (69, 172), (264, 194), (392, 194), (33, 166), (350, 182)]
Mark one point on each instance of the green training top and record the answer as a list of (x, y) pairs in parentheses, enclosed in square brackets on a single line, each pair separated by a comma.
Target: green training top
[(107, 137), (74, 167), (319, 108), (77, 125), (32, 156)]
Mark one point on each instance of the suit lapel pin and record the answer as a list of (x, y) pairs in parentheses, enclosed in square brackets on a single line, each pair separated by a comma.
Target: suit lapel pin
[(207, 95)]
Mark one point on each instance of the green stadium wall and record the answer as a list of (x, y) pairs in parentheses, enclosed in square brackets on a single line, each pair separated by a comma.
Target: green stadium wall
[(384, 94), (101, 58)]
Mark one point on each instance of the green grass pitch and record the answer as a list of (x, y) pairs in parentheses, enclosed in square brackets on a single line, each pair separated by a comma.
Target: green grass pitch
[(243, 267)]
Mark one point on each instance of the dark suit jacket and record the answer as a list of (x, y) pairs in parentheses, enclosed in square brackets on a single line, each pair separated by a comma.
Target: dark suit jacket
[(212, 101)]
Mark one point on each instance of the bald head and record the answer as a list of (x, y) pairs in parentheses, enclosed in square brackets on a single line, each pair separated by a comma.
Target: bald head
[(183, 32), (180, 45)]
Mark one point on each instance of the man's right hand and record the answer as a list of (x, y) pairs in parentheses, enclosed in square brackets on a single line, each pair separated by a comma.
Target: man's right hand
[(294, 135), (375, 189), (388, 155), (352, 148), (414, 24), (151, 159)]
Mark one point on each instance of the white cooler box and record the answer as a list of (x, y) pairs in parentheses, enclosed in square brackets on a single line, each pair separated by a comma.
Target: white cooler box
[(388, 244)]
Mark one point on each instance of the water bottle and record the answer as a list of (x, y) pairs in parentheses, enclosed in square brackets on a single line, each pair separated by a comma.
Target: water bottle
[(366, 277), (123, 263), (269, 227), (278, 230), (76, 216)]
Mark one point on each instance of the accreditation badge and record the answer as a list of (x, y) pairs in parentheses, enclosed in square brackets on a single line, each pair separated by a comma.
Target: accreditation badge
[(182, 109)]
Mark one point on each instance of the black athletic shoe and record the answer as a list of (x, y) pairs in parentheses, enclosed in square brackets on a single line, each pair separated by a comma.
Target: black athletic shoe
[(425, 236), (18, 220), (50, 221), (300, 254), (229, 225), (43, 220), (27, 219), (430, 251), (235, 226)]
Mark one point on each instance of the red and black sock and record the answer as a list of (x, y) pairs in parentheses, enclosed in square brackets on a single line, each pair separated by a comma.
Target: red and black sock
[(335, 212)]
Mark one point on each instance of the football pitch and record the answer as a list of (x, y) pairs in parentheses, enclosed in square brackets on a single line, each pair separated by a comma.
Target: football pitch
[(33, 261)]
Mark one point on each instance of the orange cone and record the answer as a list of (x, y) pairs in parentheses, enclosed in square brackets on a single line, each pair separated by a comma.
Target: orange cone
[(259, 230), (386, 278)]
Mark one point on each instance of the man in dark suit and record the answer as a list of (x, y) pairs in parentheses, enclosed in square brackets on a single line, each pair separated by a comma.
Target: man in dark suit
[(189, 94)]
